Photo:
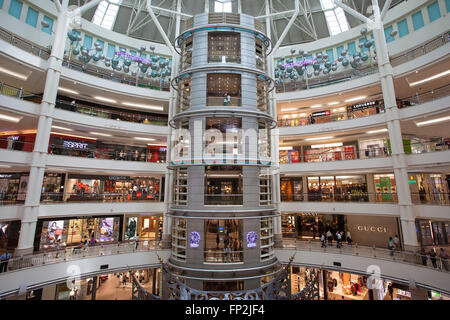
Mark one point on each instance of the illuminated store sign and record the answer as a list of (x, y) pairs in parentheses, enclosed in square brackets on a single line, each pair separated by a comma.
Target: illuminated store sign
[(321, 113), (74, 145), (302, 63), (251, 239), (364, 105), (194, 239), (371, 228)]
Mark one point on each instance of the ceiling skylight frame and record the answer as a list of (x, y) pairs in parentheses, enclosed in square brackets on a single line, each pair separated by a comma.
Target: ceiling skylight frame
[(336, 20), (106, 13)]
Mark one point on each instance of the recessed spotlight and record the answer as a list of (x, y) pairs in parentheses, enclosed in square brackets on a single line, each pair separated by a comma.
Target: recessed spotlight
[(316, 106), (285, 148), (288, 109), (333, 103), (328, 145)]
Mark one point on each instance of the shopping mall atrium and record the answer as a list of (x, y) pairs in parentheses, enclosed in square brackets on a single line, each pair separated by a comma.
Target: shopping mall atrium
[(224, 149)]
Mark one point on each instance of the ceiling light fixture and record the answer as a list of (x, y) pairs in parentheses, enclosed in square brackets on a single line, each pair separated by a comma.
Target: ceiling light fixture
[(327, 145), (105, 99), (62, 128), (14, 74), (10, 118), (436, 76), (285, 148), (333, 103), (100, 134), (377, 131), (423, 123), (320, 138), (72, 135), (68, 90), (143, 106), (356, 99), (144, 139), (316, 106), (288, 109)]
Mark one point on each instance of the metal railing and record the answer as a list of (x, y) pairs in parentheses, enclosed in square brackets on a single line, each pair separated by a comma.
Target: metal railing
[(223, 256), (355, 196), (224, 199), (224, 59), (326, 156), (91, 69), (428, 96), (79, 252), (424, 260), (223, 101), (353, 74), (50, 197), (108, 114), (11, 91), (100, 153), (434, 198), (12, 144)]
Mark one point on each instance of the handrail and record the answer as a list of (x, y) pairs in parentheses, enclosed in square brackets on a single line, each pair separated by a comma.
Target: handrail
[(371, 197), (353, 74), (80, 252), (396, 255), (52, 197)]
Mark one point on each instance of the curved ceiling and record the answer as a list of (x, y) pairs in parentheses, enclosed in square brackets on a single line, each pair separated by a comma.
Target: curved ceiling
[(134, 20)]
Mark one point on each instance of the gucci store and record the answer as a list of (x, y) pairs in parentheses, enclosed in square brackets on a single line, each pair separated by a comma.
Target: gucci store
[(364, 230)]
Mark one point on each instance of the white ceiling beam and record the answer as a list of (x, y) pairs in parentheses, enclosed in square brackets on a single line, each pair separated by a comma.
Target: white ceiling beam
[(160, 29), (386, 7), (352, 12), (276, 14), (288, 27), (80, 10)]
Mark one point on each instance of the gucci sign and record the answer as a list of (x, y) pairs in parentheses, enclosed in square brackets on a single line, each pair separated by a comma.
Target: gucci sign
[(371, 229)]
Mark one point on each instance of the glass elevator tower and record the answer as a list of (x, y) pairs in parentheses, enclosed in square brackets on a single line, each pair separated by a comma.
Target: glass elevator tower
[(221, 206)]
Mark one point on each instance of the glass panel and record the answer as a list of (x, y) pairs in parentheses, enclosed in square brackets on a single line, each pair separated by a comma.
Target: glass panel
[(32, 16), (50, 22), (434, 11), (387, 34), (403, 28), (351, 48), (224, 89), (223, 185), (224, 47), (330, 53), (87, 41), (15, 8), (417, 19), (223, 241), (102, 45), (111, 50)]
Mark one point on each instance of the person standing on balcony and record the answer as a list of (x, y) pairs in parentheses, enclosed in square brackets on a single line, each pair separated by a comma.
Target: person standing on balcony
[(137, 241), (339, 239), (349, 238), (330, 238), (4, 261), (391, 245), (423, 256), (444, 258), (323, 239), (396, 241), (433, 257)]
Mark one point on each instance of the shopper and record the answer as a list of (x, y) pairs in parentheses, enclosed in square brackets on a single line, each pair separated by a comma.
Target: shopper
[(396, 241), (4, 261), (423, 256), (92, 241), (339, 239), (323, 239), (391, 291), (444, 259), (330, 238), (391, 245), (58, 247), (349, 238), (217, 241), (137, 241), (432, 254)]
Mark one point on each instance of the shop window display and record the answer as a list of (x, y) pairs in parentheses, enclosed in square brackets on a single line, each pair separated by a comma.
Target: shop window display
[(337, 188), (385, 187), (9, 234), (291, 188), (149, 228), (345, 286), (76, 232), (428, 188)]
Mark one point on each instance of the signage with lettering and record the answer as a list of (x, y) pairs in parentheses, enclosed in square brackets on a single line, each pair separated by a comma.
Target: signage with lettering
[(74, 145), (321, 113), (365, 105)]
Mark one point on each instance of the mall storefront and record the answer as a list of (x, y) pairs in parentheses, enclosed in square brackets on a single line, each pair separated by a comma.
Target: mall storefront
[(432, 232), (148, 227), (364, 230), (9, 235), (71, 232)]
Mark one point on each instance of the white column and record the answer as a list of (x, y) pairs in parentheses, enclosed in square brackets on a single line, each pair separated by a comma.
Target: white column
[(39, 155), (395, 135), (168, 187)]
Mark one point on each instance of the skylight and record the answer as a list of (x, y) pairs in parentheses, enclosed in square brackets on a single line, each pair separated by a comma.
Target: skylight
[(106, 13), (222, 6), (336, 20)]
